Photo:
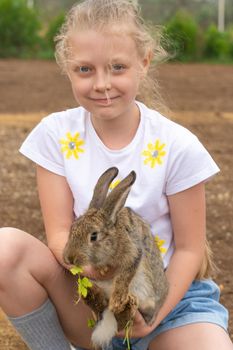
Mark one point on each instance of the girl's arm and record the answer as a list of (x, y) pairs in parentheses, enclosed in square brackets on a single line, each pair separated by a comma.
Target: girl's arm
[(57, 208), (187, 210)]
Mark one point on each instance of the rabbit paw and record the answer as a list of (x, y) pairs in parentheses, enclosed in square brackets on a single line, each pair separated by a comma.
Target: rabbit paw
[(119, 302), (133, 301)]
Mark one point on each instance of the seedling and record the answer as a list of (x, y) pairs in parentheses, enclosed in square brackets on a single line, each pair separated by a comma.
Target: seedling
[(83, 283), (127, 334)]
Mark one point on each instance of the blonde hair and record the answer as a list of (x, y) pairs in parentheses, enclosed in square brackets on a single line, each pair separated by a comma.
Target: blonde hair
[(208, 267), (102, 15)]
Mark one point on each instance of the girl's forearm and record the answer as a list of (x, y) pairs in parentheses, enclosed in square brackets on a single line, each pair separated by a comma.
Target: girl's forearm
[(181, 272)]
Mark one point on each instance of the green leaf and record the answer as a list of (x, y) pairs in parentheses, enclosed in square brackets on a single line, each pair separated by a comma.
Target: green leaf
[(83, 291), (80, 288), (83, 283), (86, 282), (91, 323), (76, 270)]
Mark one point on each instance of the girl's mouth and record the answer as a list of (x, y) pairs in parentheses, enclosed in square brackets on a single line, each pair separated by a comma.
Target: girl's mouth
[(104, 101)]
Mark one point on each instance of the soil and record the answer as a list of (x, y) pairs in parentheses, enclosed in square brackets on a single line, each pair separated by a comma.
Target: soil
[(199, 97)]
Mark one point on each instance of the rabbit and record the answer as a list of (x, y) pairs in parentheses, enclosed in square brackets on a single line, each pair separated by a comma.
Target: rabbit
[(110, 236)]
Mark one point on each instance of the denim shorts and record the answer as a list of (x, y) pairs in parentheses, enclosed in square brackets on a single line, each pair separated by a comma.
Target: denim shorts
[(200, 304)]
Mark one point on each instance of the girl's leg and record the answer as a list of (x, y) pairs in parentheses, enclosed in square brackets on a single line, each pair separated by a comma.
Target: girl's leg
[(29, 275), (201, 336)]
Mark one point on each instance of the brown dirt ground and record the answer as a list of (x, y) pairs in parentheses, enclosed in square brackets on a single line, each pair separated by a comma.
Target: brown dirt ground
[(199, 96)]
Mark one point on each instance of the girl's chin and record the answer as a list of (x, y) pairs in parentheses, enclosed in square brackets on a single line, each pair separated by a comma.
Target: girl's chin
[(103, 116)]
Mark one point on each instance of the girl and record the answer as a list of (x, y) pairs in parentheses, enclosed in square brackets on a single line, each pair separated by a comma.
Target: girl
[(106, 51)]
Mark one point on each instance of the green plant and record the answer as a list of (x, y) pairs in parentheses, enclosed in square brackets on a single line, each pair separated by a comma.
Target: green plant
[(127, 330), (53, 29), (19, 28), (83, 282), (217, 44), (230, 33), (91, 323), (181, 34)]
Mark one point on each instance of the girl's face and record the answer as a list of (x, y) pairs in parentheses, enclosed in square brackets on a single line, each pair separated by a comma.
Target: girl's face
[(105, 72)]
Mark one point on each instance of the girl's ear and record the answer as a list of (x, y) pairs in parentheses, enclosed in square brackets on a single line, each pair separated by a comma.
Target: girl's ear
[(101, 188), (117, 198), (68, 73), (147, 61)]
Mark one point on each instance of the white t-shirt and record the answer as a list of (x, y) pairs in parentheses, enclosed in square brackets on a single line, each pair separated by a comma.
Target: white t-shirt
[(166, 157)]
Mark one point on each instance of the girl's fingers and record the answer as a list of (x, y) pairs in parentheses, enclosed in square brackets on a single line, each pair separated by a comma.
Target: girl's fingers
[(138, 318), (139, 327)]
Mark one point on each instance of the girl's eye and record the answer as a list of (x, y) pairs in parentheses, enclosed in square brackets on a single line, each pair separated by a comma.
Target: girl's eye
[(118, 67), (84, 69)]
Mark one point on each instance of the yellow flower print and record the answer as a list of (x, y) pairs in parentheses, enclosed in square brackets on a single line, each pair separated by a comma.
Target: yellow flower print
[(114, 184), (154, 153), (160, 243), (71, 145)]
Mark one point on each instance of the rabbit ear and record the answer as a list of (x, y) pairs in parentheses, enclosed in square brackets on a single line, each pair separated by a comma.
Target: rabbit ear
[(117, 198), (101, 188)]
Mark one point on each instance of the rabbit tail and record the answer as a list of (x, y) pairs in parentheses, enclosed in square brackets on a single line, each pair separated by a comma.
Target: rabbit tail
[(105, 329)]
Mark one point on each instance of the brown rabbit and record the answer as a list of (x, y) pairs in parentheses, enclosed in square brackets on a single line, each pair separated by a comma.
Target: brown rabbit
[(111, 236)]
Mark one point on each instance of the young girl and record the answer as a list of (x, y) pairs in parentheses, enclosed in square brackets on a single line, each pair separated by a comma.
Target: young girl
[(106, 51)]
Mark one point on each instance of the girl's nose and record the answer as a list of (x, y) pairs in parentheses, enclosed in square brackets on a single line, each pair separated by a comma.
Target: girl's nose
[(102, 82)]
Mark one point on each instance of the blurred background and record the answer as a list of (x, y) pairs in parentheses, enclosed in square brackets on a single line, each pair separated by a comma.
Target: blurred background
[(200, 30), (196, 84)]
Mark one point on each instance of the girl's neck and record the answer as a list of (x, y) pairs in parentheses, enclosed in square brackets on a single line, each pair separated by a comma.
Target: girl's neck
[(117, 133)]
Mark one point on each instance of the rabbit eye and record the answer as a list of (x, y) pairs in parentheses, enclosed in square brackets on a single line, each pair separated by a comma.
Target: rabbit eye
[(94, 236)]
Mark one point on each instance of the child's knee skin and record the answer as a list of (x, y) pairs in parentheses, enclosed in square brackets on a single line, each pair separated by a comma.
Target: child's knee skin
[(27, 268), (20, 249), (11, 250)]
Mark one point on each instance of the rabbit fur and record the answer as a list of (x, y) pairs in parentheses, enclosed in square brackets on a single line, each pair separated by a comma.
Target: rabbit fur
[(110, 236)]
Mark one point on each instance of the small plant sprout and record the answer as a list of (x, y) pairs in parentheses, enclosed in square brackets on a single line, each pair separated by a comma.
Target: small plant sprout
[(83, 283), (127, 330), (91, 323)]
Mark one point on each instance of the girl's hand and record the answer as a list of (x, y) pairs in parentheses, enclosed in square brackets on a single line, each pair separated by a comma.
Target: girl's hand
[(58, 254), (139, 329)]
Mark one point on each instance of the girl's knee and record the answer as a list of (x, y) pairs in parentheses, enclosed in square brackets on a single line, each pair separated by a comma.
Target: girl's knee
[(21, 254), (19, 249), (12, 248)]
